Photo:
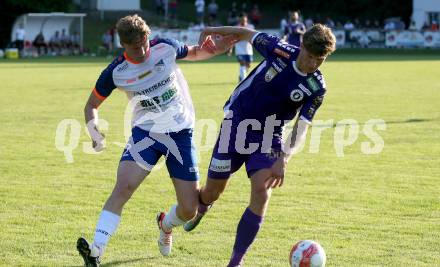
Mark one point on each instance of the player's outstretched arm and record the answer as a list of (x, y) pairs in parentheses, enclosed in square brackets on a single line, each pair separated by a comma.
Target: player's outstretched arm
[(91, 118), (240, 33), (210, 46)]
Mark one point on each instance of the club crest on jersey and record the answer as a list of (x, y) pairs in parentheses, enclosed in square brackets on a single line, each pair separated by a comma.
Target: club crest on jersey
[(296, 95), (270, 74), (159, 66)]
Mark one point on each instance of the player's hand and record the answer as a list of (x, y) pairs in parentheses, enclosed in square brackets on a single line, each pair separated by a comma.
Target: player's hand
[(208, 45), (204, 34), (278, 169), (98, 140), (218, 44), (99, 144), (224, 43)]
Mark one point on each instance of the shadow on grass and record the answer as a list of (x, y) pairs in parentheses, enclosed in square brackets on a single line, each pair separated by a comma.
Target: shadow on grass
[(414, 120), (411, 121), (122, 263)]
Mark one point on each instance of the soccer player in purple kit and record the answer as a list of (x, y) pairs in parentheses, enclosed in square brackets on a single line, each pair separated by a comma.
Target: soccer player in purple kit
[(287, 83), (294, 30)]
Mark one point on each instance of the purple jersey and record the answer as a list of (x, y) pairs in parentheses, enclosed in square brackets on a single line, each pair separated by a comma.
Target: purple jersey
[(291, 30), (276, 86)]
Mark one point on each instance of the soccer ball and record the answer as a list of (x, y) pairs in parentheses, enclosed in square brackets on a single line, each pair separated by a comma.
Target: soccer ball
[(307, 253)]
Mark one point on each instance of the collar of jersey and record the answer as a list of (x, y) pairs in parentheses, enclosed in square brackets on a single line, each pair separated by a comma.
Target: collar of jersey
[(129, 59), (297, 70)]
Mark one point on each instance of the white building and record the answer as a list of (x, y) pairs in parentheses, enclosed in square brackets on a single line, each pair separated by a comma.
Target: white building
[(425, 11)]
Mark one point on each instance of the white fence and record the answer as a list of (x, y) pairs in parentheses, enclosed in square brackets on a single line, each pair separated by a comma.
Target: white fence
[(412, 39), (355, 38)]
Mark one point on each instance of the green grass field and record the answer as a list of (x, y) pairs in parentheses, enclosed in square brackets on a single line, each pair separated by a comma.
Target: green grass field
[(365, 210)]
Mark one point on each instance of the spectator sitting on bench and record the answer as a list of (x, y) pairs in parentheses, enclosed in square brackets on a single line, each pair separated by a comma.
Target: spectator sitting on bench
[(55, 43), (39, 42)]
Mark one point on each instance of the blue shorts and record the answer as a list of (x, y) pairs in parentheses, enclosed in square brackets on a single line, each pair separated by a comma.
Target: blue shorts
[(146, 148), (245, 58), (227, 160)]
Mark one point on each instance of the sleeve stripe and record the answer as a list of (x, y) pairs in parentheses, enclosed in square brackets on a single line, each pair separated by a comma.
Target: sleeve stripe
[(100, 97), (255, 36), (305, 120)]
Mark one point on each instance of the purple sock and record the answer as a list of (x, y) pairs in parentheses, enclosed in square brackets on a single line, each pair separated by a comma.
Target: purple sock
[(247, 230)]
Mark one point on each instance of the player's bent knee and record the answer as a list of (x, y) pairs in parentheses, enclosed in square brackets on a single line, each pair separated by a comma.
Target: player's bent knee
[(261, 195)]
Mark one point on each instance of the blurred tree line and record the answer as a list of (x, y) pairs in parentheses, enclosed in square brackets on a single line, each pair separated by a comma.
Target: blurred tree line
[(352, 9)]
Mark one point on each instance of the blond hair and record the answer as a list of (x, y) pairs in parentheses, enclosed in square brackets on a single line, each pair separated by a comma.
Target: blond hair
[(131, 28), (319, 40)]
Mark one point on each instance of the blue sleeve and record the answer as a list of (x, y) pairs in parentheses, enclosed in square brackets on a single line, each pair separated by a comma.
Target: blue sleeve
[(270, 46), (105, 84), (181, 48), (265, 43), (308, 110)]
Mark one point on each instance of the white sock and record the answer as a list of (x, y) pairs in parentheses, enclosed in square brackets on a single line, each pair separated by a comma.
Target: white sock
[(107, 224), (242, 72), (171, 220)]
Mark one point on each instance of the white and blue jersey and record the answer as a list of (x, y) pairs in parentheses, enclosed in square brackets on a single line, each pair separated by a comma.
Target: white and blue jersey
[(276, 86), (163, 113), (156, 89)]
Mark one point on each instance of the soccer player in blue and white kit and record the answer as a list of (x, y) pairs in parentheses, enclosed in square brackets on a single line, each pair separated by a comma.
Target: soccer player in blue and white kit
[(163, 119), (294, 30), (286, 84)]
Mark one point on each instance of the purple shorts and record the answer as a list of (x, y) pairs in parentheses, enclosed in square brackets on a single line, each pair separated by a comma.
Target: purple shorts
[(229, 154)]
